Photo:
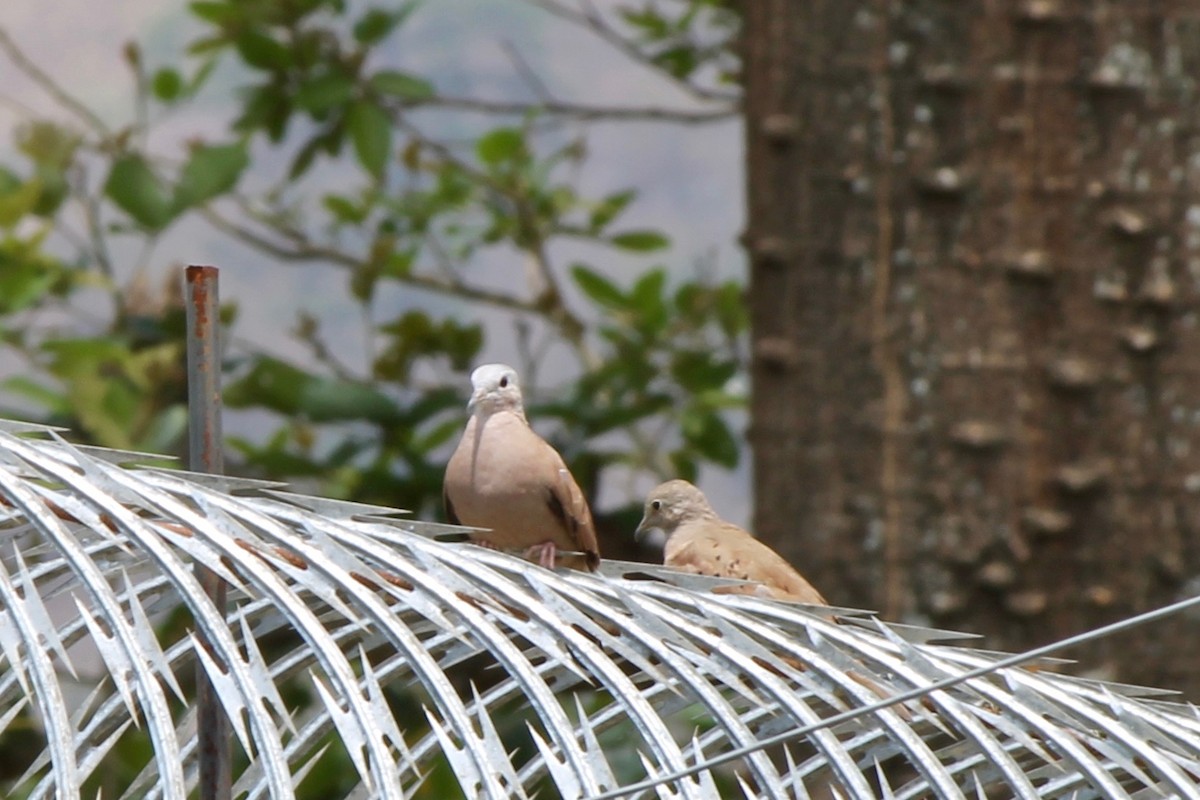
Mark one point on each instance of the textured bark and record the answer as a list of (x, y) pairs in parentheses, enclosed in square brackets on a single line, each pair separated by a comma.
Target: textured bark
[(975, 277)]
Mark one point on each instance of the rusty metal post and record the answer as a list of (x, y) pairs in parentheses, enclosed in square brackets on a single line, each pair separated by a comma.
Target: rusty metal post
[(204, 455)]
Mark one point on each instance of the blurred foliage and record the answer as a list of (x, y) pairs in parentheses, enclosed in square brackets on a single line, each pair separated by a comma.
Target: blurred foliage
[(658, 357), (661, 357)]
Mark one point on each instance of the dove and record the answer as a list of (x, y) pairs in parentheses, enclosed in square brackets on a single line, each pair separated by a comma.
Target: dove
[(700, 542), (505, 477)]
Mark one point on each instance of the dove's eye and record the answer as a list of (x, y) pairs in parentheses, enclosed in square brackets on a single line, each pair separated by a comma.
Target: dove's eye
[(656, 505), (504, 382)]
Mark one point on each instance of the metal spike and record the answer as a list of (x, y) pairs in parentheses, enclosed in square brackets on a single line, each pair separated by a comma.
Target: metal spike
[(17, 426), (261, 675), (144, 631), (120, 668), (227, 691), (226, 484), (353, 740), (337, 509)]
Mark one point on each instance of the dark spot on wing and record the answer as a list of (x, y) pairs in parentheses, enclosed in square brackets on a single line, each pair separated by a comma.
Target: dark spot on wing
[(570, 525), (556, 508)]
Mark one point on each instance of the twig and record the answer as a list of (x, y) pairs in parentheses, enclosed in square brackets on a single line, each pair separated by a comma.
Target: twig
[(91, 217), (527, 73), (442, 258), (303, 251), (309, 332), (141, 94), (729, 108), (549, 303), (592, 21), (18, 57)]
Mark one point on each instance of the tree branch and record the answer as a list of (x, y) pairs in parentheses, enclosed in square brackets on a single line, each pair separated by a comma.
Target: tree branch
[(303, 250), (532, 79), (730, 108), (549, 302), (60, 95), (591, 21)]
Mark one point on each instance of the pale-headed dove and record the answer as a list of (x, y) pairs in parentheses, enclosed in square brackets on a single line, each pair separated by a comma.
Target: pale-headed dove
[(700, 542), (505, 477)]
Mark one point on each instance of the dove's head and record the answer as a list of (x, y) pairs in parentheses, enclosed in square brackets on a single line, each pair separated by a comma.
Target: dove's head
[(670, 505), (494, 387)]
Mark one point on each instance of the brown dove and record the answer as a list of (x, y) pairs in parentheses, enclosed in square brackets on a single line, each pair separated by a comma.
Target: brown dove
[(700, 542), (505, 477)]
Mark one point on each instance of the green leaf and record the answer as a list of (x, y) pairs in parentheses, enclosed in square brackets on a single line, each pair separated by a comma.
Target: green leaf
[(363, 281), (599, 288), (608, 209), (9, 180), (260, 51), (273, 458), (640, 241), (25, 283), (167, 84), (463, 343), (402, 85), (344, 210), (415, 334), (696, 371), (652, 24), (16, 202), (201, 76), (266, 108), (709, 435), (500, 145), (326, 400), (371, 132), (376, 24), (55, 190), (137, 191), (684, 465), (732, 314), (167, 430), (208, 44), (48, 144), (433, 403), (281, 387), (399, 263), (321, 93), (679, 61), (53, 401), (308, 152), (211, 170), (101, 379), (438, 436), (218, 13), (596, 419), (647, 300)]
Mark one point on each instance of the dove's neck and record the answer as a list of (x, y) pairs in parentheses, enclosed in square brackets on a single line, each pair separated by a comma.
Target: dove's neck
[(699, 514), (483, 413)]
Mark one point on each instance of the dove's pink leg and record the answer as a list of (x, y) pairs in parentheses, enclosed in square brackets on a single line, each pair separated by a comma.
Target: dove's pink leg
[(544, 554)]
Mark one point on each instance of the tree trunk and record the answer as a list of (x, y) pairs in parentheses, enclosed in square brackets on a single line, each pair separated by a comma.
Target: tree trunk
[(975, 277)]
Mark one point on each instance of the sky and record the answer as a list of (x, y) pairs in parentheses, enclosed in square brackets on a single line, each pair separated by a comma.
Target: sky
[(689, 178)]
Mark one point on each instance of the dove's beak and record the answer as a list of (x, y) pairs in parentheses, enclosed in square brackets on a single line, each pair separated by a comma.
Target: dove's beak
[(643, 531), (476, 397)]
